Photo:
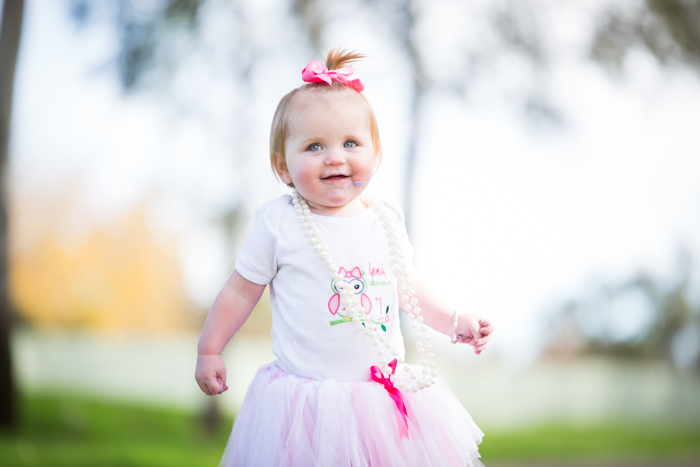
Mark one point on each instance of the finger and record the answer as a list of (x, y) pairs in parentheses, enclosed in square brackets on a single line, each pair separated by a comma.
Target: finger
[(222, 386), (486, 327), (482, 341), (214, 386), (222, 375), (204, 387), (475, 327)]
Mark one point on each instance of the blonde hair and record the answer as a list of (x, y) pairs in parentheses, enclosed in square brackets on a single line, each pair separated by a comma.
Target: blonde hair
[(335, 59)]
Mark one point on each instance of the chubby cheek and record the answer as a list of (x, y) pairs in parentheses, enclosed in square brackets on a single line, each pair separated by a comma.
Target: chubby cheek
[(303, 180), (363, 172)]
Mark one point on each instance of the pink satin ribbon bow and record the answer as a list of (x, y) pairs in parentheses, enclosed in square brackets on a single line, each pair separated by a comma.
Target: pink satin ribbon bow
[(356, 273), (316, 72), (394, 393)]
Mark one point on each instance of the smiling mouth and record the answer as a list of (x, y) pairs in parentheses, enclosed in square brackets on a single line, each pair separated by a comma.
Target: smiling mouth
[(336, 177)]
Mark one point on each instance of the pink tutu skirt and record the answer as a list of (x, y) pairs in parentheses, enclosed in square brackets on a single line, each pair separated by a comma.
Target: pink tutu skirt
[(287, 420)]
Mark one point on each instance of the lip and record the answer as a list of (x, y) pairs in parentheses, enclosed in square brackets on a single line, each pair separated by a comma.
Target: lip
[(336, 178)]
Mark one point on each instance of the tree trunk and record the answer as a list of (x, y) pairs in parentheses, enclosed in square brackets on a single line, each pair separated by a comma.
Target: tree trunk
[(9, 45), (407, 30)]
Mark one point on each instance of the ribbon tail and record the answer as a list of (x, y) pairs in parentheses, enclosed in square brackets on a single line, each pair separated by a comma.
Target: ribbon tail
[(402, 415), (403, 427)]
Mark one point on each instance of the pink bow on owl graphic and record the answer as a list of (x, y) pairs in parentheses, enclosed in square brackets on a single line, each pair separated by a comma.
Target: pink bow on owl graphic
[(316, 72), (356, 273)]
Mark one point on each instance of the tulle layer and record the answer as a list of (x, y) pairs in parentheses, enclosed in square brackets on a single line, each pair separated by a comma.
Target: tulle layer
[(286, 420)]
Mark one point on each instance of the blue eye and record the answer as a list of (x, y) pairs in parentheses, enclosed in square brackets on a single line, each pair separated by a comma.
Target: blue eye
[(349, 144), (315, 147)]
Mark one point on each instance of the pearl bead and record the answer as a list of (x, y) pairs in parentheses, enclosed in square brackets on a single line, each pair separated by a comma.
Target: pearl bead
[(411, 316), (375, 342), (425, 371), (407, 307), (407, 368), (413, 376), (380, 351), (394, 353), (420, 351), (414, 301)]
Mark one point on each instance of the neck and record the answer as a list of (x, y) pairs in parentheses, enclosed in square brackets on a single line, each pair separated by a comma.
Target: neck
[(354, 207)]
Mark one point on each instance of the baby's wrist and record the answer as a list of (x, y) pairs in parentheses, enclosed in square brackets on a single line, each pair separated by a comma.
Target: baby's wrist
[(454, 325), (208, 353)]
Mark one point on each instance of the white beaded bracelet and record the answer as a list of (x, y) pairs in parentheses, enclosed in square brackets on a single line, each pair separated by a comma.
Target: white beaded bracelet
[(455, 322)]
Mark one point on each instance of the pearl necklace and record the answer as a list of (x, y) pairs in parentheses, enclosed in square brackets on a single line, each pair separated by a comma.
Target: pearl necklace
[(420, 376)]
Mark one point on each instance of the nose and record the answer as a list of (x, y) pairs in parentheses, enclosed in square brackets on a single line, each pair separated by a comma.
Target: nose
[(335, 157)]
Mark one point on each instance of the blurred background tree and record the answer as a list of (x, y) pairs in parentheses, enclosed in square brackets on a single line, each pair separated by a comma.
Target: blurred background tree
[(644, 318), (10, 32)]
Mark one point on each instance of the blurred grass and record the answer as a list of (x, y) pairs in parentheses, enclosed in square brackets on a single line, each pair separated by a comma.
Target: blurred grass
[(613, 441), (66, 430), (74, 431)]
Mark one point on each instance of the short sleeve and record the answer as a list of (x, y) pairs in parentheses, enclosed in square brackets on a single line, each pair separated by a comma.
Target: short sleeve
[(257, 259)]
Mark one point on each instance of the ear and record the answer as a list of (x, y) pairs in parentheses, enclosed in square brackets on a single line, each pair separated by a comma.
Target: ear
[(281, 169)]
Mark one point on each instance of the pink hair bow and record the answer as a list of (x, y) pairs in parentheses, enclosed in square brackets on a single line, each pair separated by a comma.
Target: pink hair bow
[(395, 395), (356, 273), (316, 72)]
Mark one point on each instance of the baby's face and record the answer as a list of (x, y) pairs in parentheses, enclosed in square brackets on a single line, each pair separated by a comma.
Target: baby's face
[(328, 149)]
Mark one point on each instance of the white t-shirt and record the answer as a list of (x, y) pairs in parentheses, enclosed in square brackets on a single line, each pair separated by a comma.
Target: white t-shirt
[(310, 336)]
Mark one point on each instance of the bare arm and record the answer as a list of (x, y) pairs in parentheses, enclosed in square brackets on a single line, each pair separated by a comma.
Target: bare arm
[(230, 310), (472, 328)]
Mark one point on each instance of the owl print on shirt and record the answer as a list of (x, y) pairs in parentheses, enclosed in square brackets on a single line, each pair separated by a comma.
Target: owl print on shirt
[(354, 281)]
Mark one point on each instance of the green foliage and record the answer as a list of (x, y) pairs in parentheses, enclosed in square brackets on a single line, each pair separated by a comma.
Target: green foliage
[(72, 431)]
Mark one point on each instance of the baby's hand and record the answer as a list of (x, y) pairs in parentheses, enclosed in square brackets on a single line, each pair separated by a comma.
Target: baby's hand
[(474, 330), (211, 374)]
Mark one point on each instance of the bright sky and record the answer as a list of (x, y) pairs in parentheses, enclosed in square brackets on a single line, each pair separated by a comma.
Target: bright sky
[(510, 220)]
